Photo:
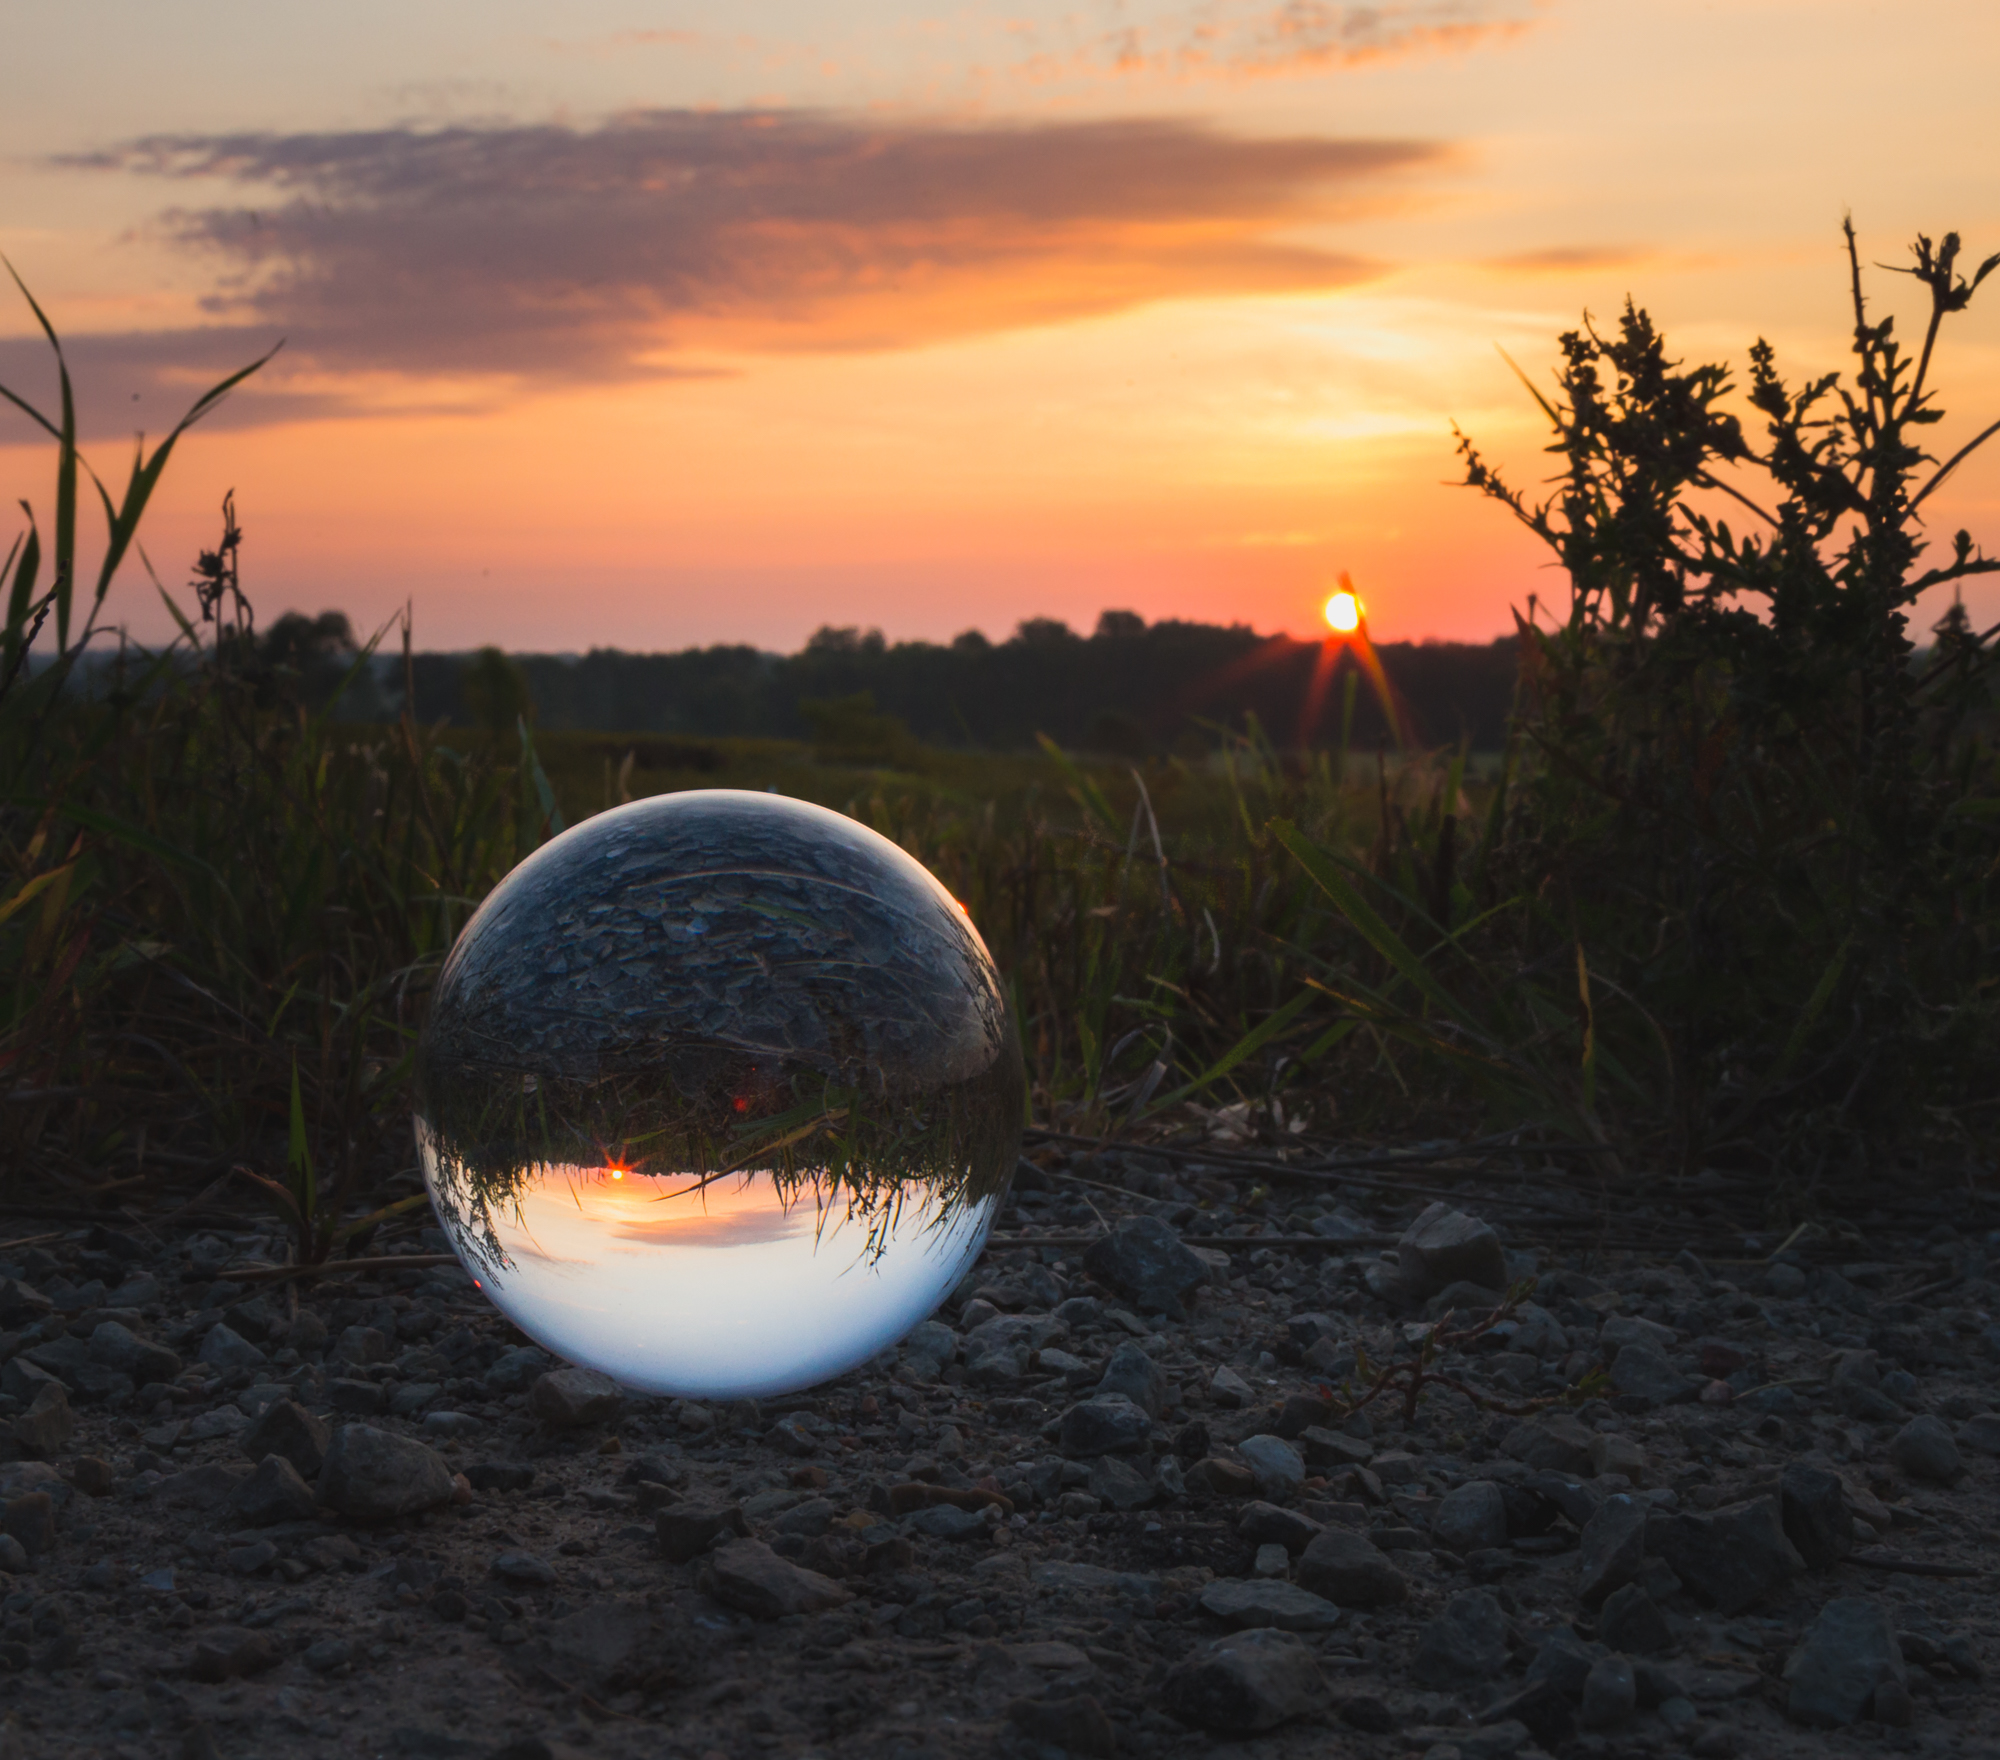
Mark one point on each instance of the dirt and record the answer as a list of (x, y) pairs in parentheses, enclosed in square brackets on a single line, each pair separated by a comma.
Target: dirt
[(960, 1584)]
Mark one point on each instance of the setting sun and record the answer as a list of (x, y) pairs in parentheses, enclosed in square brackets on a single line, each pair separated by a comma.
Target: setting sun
[(1343, 613)]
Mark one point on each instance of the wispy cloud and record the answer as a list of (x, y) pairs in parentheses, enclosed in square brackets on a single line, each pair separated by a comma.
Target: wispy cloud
[(551, 254), (1254, 39), (1568, 260)]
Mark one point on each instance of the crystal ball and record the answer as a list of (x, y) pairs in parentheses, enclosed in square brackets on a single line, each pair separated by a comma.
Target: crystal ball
[(718, 1094)]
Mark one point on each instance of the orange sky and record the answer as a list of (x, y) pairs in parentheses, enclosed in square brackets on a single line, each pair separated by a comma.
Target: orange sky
[(604, 328)]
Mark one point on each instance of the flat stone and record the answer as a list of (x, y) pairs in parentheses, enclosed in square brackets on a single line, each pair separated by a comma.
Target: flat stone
[(1445, 1246), (1612, 1549), (374, 1476), (1134, 1374), (944, 1521), (288, 1429), (1146, 1262), (273, 1493), (1217, 1477), (1333, 1449), (203, 1488), (1240, 1605), (1267, 1524), (1471, 1517), (1847, 1653), (1278, 1466), (1643, 1372), (525, 1570), (1925, 1449), (1105, 1424), (1731, 1558), (1541, 1709), (1555, 1442), (1350, 1571), (1229, 1389), (748, 1576), (1817, 1519), (1246, 1683), (1619, 1330), (568, 1399), (608, 1646), (1466, 1642)]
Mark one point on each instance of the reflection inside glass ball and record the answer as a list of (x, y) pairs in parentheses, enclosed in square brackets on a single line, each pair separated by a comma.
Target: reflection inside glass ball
[(718, 1094)]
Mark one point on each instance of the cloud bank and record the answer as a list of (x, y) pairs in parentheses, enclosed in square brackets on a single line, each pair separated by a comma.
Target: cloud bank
[(644, 246)]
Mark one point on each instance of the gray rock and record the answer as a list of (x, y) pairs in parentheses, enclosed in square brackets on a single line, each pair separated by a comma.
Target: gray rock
[(48, 1422), (1731, 1558), (1540, 1710), (1577, 1502), (997, 1350), (1643, 1372), (1246, 1683), (944, 1521), (289, 1430), (748, 1576), (1240, 1605), (1613, 1548), (1817, 1519), (1466, 1642), (567, 1399), (451, 1425), (1622, 1329), (1119, 1484), (524, 1570), (273, 1493), (1610, 1693), (1471, 1518), (1267, 1524), (31, 1519), (1846, 1654), (1564, 1661), (117, 1346), (929, 1347), (1630, 1621), (1554, 1442), (1925, 1449), (1350, 1571), (224, 1349), (1279, 1467), (21, 1304), (1146, 1262), (374, 1476), (1134, 1374), (687, 1530), (513, 1370), (1445, 1246), (1981, 1434), (1107, 1424), (218, 1421)]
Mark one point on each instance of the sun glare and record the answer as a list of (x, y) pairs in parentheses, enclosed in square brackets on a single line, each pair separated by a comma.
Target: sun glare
[(1343, 613)]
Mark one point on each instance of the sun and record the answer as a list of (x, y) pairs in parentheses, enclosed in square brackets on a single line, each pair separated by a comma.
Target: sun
[(1343, 613)]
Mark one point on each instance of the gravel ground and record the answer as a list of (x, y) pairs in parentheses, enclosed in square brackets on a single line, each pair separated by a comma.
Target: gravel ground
[(1101, 1504)]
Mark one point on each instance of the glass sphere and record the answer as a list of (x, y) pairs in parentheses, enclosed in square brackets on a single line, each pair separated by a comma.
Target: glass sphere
[(718, 1094)]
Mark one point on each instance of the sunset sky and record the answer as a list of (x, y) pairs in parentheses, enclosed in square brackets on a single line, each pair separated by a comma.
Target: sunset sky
[(643, 323)]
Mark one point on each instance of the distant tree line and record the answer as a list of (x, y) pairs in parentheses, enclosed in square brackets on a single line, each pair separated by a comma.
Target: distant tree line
[(1129, 687)]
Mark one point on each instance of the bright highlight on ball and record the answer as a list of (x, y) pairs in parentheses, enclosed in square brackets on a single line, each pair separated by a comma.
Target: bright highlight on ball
[(1343, 613)]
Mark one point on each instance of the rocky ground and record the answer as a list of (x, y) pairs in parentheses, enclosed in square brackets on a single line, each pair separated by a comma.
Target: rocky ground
[(1102, 1504)]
